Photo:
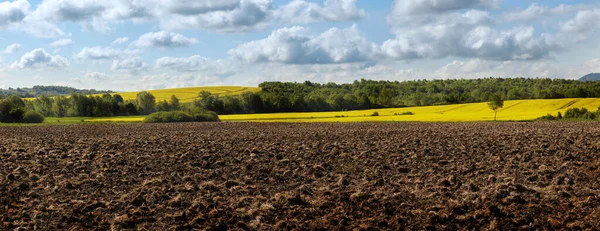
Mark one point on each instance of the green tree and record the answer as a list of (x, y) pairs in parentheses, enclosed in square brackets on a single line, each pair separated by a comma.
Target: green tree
[(145, 102), (174, 103), (60, 106), (163, 105), (495, 104)]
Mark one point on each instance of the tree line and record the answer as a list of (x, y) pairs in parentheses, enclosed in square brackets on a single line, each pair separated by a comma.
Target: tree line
[(38, 90), (370, 94), (314, 97)]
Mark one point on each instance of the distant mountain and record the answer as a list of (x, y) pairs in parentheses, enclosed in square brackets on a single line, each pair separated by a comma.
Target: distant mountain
[(36, 91), (591, 77)]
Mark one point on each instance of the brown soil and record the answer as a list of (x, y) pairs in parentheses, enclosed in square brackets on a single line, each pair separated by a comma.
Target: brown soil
[(219, 176)]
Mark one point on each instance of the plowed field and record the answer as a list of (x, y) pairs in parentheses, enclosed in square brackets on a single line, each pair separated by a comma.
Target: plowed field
[(219, 176)]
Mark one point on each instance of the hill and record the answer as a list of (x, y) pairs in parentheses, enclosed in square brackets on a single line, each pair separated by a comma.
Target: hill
[(188, 94), (36, 91), (590, 77)]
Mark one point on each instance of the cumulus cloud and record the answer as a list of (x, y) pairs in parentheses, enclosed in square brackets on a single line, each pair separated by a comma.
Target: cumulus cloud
[(229, 16), (197, 63), (12, 48), (243, 16), (93, 15), (134, 64), (402, 9), (119, 41), (296, 45), (62, 43), (13, 12), (40, 59), (536, 11), (40, 29), (438, 29), (164, 39), (99, 53), (95, 76), (579, 27), (300, 11)]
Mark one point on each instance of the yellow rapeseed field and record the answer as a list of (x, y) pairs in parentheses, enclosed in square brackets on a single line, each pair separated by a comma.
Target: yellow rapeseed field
[(513, 110), (188, 94)]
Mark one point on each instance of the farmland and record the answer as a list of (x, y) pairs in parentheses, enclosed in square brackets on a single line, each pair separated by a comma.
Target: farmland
[(301, 175), (187, 94), (515, 110)]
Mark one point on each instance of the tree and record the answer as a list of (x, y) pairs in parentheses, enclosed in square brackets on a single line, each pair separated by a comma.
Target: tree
[(12, 109), (163, 105), (174, 103), (496, 103), (145, 102), (59, 106)]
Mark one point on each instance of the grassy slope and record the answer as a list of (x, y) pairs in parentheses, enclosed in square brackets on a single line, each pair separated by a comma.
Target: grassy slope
[(513, 110)]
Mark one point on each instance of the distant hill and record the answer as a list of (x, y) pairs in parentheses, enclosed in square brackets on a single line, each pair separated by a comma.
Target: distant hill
[(36, 91), (591, 77)]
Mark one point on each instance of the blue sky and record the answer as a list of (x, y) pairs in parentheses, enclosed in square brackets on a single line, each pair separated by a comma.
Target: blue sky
[(151, 44)]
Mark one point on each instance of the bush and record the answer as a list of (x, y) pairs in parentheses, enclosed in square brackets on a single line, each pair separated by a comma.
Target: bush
[(33, 117), (405, 113), (168, 117), (200, 115), (15, 115), (180, 116), (575, 113), (548, 117), (375, 114)]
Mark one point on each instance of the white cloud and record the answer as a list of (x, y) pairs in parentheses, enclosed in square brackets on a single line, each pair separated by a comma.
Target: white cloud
[(579, 27), (62, 43), (16, 15), (197, 63), (295, 45), (93, 15), (12, 48), (95, 76), (536, 11), (40, 29), (90, 77), (245, 15), (229, 16), (436, 29), (13, 12), (401, 9), (119, 41), (99, 53), (164, 39), (300, 11), (40, 59), (134, 64)]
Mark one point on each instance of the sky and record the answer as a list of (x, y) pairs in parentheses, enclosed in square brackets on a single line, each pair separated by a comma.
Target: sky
[(127, 45)]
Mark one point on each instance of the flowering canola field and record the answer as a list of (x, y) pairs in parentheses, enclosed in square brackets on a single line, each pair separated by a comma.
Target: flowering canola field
[(188, 94), (513, 110)]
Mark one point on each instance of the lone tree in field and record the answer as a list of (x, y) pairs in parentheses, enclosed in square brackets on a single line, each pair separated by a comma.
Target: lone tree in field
[(495, 104)]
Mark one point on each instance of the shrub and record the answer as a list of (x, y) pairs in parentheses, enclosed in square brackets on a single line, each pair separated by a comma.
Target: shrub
[(180, 116), (33, 117), (405, 113), (15, 115), (575, 113), (375, 114), (201, 115), (547, 117)]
